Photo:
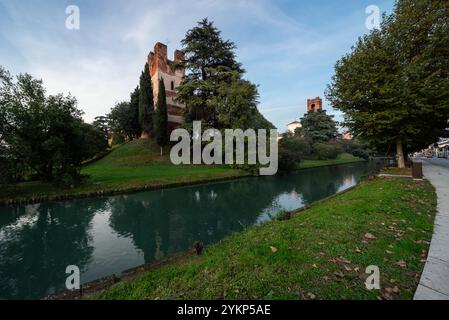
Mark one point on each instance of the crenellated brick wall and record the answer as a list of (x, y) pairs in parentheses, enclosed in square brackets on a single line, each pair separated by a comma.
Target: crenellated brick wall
[(172, 75)]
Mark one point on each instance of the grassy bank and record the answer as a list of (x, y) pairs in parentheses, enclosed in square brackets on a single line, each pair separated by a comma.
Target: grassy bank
[(397, 171), (341, 159), (320, 253), (133, 166)]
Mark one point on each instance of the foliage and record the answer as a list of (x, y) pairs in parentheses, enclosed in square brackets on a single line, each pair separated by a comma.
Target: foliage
[(44, 133), (324, 151), (394, 85), (101, 123), (146, 107), (317, 127), (95, 140), (161, 120), (291, 150), (355, 148), (135, 128), (213, 89)]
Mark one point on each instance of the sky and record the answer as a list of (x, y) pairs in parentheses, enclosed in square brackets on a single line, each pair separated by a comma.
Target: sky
[(287, 47)]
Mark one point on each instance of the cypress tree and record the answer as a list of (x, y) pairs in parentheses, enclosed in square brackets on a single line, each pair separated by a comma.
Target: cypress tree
[(134, 113), (161, 120), (146, 107)]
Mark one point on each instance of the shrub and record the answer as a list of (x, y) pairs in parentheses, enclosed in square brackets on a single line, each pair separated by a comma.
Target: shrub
[(324, 151), (291, 150)]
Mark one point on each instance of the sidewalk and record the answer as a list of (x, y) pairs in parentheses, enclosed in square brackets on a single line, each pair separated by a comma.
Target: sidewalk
[(434, 283)]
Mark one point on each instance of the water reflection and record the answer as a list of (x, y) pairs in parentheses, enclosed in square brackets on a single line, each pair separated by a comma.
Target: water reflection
[(108, 235)]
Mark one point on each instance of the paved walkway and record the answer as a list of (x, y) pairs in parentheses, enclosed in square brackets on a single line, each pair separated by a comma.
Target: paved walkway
[(434, 283)]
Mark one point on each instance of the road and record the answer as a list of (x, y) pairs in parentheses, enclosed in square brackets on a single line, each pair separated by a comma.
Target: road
[(436, 161)]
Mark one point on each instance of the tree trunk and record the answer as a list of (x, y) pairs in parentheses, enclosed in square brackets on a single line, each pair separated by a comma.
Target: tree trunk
[(400, 154), (161, 151)]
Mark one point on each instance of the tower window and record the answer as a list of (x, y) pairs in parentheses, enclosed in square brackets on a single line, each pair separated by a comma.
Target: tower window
[(172, 85)]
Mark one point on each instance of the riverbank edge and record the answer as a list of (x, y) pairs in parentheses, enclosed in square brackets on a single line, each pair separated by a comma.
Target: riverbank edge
[(149, 187), (331, 164), (97, 286), (114, 192)]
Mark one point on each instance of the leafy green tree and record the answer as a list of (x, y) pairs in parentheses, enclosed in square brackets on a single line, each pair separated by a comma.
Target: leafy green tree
[(325, 151), (95, 140), (213, 90), (394, 85), (291, 151), (124, 117), (146, 107), (44, 133), (101, 123), (161, 119), (317, 127), (121, 120)]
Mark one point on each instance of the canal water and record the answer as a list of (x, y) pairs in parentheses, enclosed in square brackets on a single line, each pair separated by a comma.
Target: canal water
[(105, 236)]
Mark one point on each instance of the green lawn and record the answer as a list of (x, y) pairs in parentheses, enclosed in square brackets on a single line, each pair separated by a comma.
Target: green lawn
[(320, 253), (341, 159), (133, 166)]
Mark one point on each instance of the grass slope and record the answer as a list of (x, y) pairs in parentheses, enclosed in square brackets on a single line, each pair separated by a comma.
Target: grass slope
[(131, 166), (320, 253), (341, 159)]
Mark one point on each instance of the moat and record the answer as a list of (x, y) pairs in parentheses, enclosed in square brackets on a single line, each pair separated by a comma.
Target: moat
[(105, 236)]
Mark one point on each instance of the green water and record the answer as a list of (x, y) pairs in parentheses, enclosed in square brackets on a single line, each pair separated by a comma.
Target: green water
[(103, 236)]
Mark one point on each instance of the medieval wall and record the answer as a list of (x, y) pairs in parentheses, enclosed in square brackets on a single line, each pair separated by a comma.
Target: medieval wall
[(161, 67), (314, 105)]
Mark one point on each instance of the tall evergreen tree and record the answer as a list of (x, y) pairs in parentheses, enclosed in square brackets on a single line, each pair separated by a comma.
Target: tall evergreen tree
[(317, 127), (146, 107), (161, 119), (394, 85), (136, 129), (214, 90)]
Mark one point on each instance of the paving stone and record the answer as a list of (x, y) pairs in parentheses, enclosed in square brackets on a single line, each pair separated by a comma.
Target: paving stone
[(435, 275), (434, 283), (424, 293)]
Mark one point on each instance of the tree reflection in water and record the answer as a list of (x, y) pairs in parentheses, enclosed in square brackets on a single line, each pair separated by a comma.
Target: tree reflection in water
[(107, 235)]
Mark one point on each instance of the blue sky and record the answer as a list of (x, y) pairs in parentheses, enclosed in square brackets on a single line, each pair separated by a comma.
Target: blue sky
[(288, 47)]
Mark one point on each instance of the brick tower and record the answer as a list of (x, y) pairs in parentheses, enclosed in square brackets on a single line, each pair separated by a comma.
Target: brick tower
[(314, 105), (161, 67)]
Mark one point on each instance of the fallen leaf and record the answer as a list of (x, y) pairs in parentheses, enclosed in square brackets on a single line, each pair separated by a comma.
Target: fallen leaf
[(343, 259), (339, 274), (273, 249), (370, 236), (401, 263), (311, 295)]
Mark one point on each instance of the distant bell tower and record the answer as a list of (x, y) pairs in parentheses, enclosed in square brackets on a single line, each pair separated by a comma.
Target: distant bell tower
[(314, 105), (161, 67)]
